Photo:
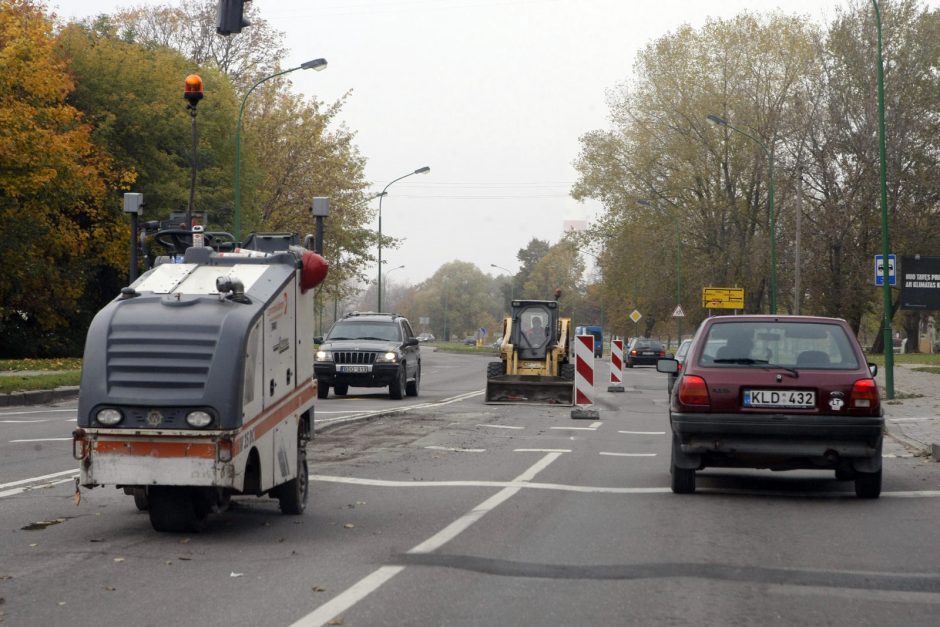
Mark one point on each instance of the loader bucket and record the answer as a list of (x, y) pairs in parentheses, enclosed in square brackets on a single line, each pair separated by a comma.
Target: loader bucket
[(514, 389)]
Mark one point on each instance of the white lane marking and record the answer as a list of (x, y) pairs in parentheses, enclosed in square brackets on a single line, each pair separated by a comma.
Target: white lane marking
[(378, 578), (349, 597), (41, 478), (643, 432), (912, 419), (30, 488), (541, 450), (628, 454), (35, 411), (41, 440), (456, 450), (383, 483), (500, 427), (592, 427), (21, 422), (399, 410), (893, 456)]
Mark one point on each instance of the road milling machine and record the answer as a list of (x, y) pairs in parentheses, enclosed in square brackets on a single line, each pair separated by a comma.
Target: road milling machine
[(534, 365), (198, 382)]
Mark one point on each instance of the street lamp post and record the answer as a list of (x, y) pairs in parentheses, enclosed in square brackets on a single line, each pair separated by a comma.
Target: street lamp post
[(423, 170), (885, 247), (770, 201), (647, 203), (392, 270), (512, 283), (317, 65)]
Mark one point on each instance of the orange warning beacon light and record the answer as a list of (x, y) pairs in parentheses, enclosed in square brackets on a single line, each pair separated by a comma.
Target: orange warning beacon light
[(193, 92)]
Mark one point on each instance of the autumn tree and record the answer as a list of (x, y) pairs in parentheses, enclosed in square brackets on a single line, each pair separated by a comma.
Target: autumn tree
[(189, 28), (59, 237)]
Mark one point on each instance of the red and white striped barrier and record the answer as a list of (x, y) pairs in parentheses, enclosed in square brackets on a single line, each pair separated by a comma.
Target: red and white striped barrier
[(584, 377), (616, 366)]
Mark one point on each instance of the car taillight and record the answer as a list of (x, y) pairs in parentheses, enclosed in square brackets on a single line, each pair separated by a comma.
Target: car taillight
[(679, 366), (864, 394), (662, 353), (693, 391)]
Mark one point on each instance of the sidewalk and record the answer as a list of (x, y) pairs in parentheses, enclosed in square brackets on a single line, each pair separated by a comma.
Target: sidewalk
[(913, 417)]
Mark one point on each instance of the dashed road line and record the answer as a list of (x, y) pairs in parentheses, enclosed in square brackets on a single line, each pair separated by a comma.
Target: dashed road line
[(456, 450), (643, 432), (41, 440), (541, 450), (500, 427), (628, 454), (36, 411), (592, 427)]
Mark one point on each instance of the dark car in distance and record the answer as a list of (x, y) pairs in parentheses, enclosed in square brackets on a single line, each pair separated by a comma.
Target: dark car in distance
[(643, 351), (368, 350), (779, 393)]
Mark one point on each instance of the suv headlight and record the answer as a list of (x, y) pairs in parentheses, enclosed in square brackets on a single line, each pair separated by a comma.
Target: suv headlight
[(390, 357), (324, 356)]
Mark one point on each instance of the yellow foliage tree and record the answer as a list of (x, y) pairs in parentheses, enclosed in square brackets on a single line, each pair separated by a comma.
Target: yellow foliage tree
[(55, 231)]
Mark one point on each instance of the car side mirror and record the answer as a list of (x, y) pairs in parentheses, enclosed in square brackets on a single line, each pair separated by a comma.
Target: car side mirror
[(412, 341), (873, 369), (669, 366), (318, 339)]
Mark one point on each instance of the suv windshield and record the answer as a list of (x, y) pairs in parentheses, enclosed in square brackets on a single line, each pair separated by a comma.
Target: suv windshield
[(361, 330), (785, 344)]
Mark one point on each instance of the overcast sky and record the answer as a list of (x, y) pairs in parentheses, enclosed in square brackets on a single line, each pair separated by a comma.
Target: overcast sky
[(493, 95)]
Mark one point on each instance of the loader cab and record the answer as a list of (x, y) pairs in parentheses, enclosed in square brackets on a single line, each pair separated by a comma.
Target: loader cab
[(533, 328)]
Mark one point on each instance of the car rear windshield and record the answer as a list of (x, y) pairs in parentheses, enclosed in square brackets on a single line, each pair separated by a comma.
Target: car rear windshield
[(787, 344), (648, 345), (362, 330)]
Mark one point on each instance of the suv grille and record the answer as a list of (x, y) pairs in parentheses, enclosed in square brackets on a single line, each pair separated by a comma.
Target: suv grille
[(353, 357)]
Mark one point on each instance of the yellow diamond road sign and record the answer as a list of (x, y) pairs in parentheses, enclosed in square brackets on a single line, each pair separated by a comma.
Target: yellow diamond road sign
[(635, 316), (723, 297)]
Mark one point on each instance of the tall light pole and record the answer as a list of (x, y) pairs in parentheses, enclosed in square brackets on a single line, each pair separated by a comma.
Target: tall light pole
[(770, 201), (423, 170), (512, 282), (647, 203), (392, 270), (317, 65), (885, 247)]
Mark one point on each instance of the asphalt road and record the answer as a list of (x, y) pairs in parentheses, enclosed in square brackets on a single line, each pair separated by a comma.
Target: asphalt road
[(453, 512)]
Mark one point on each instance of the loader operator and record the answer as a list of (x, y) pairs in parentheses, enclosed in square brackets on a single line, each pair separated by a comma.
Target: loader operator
[(536, 333)]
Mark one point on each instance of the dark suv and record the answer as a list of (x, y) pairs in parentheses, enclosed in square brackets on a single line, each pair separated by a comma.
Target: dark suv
[(369, 350), (777, 392)]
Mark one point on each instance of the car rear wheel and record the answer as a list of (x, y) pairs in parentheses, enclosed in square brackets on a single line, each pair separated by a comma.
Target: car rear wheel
[(868, 484), (683, 479), (396, 389), (323, 389), (340, 389)]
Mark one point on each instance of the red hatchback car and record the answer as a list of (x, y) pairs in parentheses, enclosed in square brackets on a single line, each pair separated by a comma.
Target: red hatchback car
[(777, 392)]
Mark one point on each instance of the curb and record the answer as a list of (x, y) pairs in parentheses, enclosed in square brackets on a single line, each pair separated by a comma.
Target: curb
[(38, 397)]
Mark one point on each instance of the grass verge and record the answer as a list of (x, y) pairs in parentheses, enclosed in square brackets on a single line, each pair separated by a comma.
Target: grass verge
[(28, 383), (58, 363)]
